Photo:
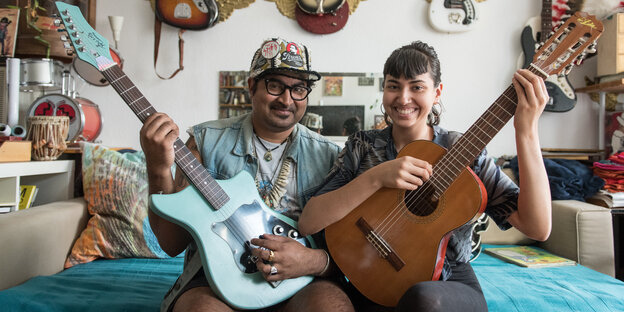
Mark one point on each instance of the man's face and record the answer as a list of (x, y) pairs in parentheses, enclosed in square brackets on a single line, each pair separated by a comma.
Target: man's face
[(276, 113)]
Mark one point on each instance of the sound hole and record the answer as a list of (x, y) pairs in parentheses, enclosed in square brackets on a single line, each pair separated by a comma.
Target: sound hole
[(421, 201)]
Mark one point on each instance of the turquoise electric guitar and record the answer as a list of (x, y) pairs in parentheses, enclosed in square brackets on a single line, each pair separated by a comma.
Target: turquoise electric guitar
[(221, 215)]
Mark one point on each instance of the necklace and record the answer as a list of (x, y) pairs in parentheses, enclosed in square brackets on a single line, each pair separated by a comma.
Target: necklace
[(267, 155), (272, 194)]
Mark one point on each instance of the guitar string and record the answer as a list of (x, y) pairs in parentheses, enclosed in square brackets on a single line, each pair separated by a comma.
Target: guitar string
[(416, 196)]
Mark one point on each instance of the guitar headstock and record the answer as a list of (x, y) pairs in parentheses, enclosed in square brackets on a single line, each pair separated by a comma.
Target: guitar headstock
[(89, 46), (570, 43)]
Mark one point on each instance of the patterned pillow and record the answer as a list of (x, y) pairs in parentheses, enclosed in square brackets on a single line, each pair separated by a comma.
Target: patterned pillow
[(115, 189)]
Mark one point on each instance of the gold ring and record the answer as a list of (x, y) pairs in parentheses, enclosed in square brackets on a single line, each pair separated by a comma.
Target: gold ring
[(271, 256)]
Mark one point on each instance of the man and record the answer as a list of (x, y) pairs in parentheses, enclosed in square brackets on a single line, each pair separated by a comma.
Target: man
[(288, 161)]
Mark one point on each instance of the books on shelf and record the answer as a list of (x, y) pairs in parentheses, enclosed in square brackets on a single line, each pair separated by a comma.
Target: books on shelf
[(27, 196), (527, 256)]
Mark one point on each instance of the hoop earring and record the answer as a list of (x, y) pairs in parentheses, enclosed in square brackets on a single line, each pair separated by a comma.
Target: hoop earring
[(433, 118)]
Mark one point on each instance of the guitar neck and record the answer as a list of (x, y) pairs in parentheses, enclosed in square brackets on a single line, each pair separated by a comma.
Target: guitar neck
[(546, 19), (185, 160), (470, 145)]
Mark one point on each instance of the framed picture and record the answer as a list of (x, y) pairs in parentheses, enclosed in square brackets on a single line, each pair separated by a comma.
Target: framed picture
[(333, 86), (366, 81), (8, 31)]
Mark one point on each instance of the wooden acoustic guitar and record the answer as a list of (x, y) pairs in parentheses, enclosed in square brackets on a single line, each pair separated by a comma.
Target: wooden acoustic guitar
[(187, 14), (222, 216), (397, 238)]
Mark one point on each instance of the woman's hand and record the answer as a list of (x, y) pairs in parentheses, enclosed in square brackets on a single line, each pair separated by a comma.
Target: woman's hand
[(406, 173), (532, 99)]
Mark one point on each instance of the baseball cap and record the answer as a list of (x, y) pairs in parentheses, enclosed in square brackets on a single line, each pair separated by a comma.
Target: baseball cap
[(289, 58)]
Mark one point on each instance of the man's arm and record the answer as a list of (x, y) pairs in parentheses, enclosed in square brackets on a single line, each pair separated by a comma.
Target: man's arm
[(157, 137)]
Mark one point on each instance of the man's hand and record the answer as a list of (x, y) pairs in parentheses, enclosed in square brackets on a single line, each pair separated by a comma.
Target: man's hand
[(289, 258)]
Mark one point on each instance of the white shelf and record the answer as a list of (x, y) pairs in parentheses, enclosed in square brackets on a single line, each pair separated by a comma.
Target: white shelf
[(55, 180)]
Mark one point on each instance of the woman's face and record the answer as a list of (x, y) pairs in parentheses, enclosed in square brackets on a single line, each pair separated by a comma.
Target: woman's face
[(409, 101)]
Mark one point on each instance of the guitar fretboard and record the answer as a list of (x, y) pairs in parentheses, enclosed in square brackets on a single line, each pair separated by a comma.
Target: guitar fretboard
[(475, 139), (546, 19), (186, 161)]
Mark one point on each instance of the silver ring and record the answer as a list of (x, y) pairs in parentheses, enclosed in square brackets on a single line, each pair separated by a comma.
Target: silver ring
[(273, 270), (254, 259)]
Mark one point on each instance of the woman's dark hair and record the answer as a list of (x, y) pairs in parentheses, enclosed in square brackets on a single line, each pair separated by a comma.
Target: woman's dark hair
[(352, 125), (411, 60)]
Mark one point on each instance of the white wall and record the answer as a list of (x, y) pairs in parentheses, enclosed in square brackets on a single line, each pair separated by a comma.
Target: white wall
[(476, 66)]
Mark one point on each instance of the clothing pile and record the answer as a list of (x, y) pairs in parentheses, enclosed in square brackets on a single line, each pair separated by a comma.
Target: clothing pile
[(568, 179), (611, 171)]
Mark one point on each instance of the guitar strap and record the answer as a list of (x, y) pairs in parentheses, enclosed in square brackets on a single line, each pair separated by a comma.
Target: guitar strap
[(157, 28)]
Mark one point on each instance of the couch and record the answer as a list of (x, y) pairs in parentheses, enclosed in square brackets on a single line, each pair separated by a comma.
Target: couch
[(35, 242)]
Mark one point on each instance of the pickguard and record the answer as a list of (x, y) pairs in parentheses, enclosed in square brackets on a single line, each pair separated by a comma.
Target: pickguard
[(247, 222)]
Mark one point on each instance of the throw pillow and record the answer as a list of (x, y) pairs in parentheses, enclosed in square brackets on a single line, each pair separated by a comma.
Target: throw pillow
[(115, 189)]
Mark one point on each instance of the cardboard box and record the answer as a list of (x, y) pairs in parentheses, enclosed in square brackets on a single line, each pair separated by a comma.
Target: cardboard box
[(611, 46), (15, 151)]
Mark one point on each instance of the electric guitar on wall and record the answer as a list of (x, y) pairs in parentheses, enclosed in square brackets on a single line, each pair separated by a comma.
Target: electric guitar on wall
[(221, 215), (397, 238), (561, 92), (452, 15), (187, 14)]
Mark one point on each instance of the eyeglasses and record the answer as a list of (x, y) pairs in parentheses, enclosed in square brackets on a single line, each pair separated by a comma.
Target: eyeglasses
[(277, 88)]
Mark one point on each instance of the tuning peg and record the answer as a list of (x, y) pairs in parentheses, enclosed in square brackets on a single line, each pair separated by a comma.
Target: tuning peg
[(592, 47), (66, 45), (568, 69), (57, 22), (66, 12), (64, 38), (69, 52)]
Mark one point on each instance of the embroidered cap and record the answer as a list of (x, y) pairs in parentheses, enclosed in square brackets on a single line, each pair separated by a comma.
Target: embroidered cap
[(277, 55)]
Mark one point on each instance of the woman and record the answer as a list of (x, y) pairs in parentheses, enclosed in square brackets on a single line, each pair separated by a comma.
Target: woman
[(412, 90)]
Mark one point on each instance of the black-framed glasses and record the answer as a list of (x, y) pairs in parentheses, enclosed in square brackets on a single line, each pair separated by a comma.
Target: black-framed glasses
[(277, 88)]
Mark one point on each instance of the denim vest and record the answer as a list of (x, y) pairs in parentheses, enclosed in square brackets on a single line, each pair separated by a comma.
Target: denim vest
[(226, 147)]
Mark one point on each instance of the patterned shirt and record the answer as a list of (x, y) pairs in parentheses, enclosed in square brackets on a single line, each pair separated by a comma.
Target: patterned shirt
[(366, 149)]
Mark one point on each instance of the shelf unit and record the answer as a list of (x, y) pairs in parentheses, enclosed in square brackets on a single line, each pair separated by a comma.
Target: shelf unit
[(602, 89), (234, 97), (54, 179)]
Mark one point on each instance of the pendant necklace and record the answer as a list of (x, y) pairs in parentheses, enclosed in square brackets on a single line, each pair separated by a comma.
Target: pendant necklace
[(267, 155)]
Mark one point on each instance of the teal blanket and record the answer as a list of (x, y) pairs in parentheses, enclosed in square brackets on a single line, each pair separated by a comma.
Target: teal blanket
[(140, 284), (509, 287)]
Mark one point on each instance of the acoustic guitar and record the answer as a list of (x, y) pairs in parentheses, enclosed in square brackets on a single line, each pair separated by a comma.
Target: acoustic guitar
[(187, 14), (397, 238), (222, 216), (537, 29)]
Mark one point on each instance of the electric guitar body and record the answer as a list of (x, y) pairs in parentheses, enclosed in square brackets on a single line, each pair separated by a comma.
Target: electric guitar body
[(452, 15), (415, 225), (188, 14)]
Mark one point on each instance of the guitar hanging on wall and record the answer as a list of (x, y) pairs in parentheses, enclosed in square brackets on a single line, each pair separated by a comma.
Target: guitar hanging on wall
[(397, 238), (322, 16), (452, 15), (221, 215), (187, 14), (561, 92)]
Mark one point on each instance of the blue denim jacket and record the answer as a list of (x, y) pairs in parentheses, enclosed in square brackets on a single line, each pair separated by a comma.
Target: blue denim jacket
[(226, 147)]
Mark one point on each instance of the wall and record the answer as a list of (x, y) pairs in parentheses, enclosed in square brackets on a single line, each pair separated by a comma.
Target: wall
[(476, 65)]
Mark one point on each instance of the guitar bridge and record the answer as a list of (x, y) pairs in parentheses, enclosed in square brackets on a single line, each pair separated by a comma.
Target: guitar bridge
[(384, 249)]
